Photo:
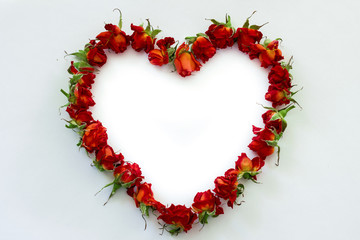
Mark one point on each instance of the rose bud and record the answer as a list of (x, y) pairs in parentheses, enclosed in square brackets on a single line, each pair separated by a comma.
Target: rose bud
[(268, 54), (96, 56), (87, 80), (278, 96), (114, 38), (276, 124), (279, 77), (260, 143), (128, 174), (203, 49), (227, 188), (80, 116), (159, 57), (185, 62), (221, 34), (94, 137), (143, 39), (207, 204), (247, 37), (179, 217), (83, 97), (106, 157), (248, 168)]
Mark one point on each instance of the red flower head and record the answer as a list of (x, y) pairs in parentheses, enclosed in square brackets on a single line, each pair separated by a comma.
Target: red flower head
[(87, 80), (185, 62), (143, 39), (278, 96), (80, 116), (276, 124), (207, 202), (128, 174), (114, 38), (143, 194), (259, 144), (247, 37), (203, 49), (227, 188), (107, 158), (268, 55), (96, 56), (83, 97), (179, 216), (94, 137), (279, 77), (249, 167), (160, 56)]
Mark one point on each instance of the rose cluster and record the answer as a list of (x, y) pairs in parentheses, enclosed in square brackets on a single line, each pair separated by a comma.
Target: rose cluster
[(186, 58)]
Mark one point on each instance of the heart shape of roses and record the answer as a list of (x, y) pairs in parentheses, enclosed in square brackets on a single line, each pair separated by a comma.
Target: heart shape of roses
[(186, 59)]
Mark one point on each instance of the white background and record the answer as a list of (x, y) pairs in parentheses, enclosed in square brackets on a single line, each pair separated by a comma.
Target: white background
[(182, 132)]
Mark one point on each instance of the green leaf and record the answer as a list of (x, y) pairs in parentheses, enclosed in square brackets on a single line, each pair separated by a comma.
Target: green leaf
[(80, 55), (283, 112)]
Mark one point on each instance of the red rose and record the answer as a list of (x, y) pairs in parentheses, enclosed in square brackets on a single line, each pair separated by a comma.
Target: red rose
[(185, 62), (269, 55), (221, 36), (166, 42), (278, 96), (227, 188), (83, 97), (159, 57), (128, 174), (107, 158), (248, 167), (141, 40), (207, 202), (143, 194), (96, 56), (114, 38), (246, 38), (203, 49), (179, 216), (272, 124), (87, 80), (80, 116), (279, 77), (259, 144), (94, 137)]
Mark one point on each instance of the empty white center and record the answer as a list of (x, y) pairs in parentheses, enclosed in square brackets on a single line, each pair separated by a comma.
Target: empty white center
[(183, 132)]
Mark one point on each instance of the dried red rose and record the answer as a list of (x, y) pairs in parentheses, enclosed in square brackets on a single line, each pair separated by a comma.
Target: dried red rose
[(207, 202), (114, 38), (128, 174), (259, 144), (269, 55), (203, 49), (83, 97), (140, 40), (159, 57), (278, 96), (185, 62), (94, 137), (179, 216), (107, 158), (279, 77), (143, 194), (96, 56), (87, 80), (246, 37), (80, 116), (221, 36), (227, 188), (248, 167)]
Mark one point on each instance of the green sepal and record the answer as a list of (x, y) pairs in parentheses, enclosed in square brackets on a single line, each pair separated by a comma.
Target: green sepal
[(247, 22), (144, 209), (174, 230), (203, 217), (240, 189), (171, 53), (82, 64), (75, 78), (216, 22), (202, 35), (120, 20), (228, 21), (98, 166), (271, 143), (80, 55), (283, 112), (79, 143), (190, 40), (65, 93), (154, 33), (266, 42)]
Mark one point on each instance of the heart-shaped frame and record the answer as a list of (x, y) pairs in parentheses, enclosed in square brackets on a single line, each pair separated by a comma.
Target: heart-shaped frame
[(186, 59)]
